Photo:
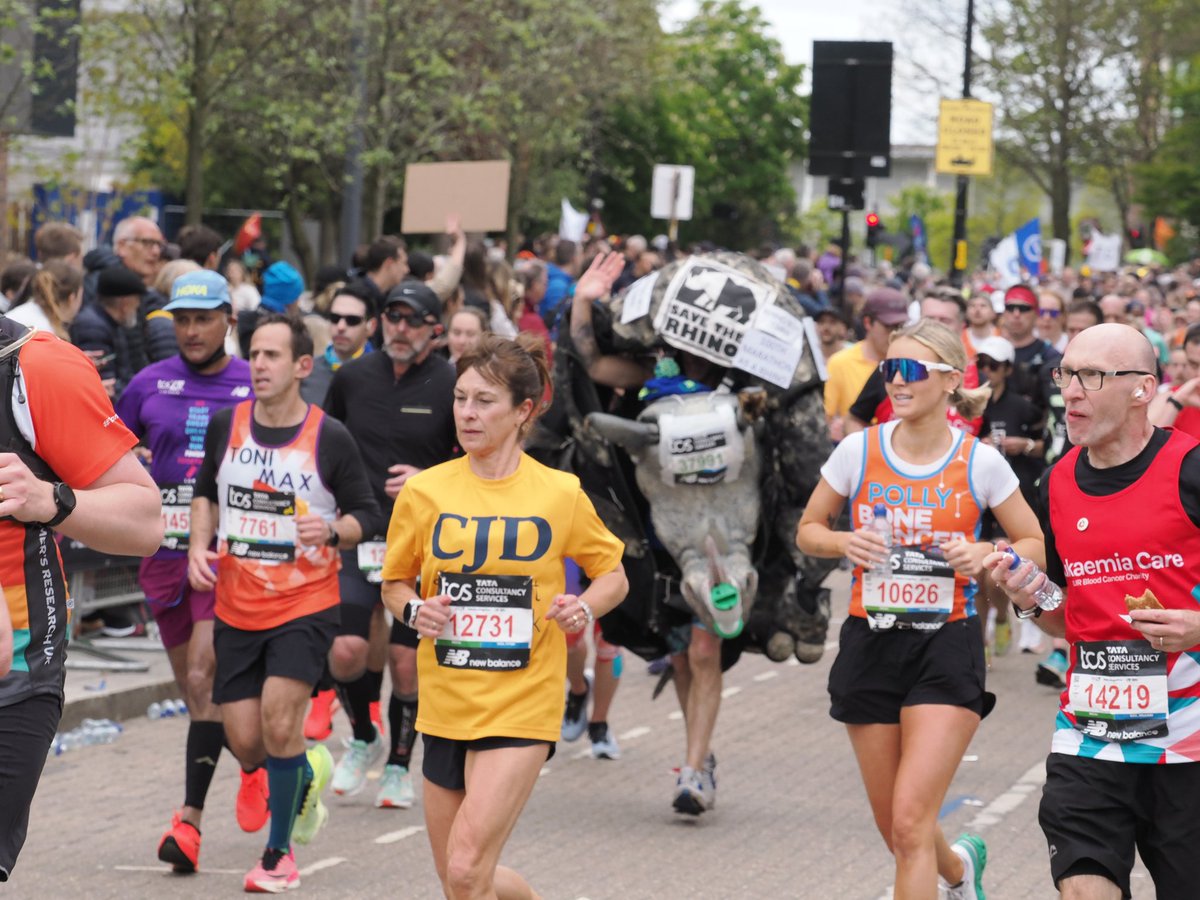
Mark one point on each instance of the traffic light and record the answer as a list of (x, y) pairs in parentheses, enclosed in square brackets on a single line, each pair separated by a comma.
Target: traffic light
[(1137, 237), (874, 228)]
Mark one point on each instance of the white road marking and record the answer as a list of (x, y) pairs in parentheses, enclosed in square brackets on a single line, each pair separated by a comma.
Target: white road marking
[(327, 863), (393, 836), (1010, 799), (766, 676), (675, 716), (545, 771), (634, 733), (730, 692), (582, 754)]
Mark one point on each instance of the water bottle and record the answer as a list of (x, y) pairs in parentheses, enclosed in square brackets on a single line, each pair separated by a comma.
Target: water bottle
[(1050, 596), (881, 526), (179, 705), (163, 710)]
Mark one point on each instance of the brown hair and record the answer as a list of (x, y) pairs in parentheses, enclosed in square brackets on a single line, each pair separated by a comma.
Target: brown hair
[(57, 240), (948, 347), (519, 365), (475, 311), (53, 287)]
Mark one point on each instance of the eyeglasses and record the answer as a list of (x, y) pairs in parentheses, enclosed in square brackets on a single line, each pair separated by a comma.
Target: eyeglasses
[(911, 369), (1089, 379), (1018, 307), (147, 242), (985, 362), (351, 321), (1050, 313), (412, 320)]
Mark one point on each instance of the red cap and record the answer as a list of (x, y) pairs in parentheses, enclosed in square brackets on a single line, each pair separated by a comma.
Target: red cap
[(1020, 293)]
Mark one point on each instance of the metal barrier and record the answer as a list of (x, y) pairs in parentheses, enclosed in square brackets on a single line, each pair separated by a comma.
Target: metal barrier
[(99, 581)]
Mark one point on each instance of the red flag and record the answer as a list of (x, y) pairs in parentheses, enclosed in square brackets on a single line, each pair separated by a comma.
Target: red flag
[(250, 232)]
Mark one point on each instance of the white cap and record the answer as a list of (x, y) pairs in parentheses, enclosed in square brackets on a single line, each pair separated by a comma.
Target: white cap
[(996, 348)]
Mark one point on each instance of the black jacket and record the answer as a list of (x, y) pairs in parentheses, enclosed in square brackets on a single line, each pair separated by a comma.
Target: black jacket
[(95, 329)]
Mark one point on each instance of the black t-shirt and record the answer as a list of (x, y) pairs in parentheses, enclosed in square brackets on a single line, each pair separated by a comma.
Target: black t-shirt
[(1031, 372), (1103, 482), (870, 398), (1018, 418), (338, 463), (405, 421)]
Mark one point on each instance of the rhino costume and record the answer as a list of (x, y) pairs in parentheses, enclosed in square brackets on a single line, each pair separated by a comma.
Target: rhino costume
[(722, 477)]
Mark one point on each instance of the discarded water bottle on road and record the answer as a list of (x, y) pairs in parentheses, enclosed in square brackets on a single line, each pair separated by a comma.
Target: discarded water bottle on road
[(881, 526), (166, 709), (86, 734), (1049, 596)]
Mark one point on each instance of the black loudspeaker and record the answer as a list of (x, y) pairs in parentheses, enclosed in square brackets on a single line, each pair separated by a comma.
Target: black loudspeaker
[(851, 111)]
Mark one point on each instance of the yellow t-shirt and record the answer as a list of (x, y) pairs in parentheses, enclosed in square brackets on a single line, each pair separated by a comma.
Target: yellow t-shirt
[(848, 372), (449, 520)]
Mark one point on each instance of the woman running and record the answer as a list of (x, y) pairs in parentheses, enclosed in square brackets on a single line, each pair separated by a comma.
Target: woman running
[(908, 681)]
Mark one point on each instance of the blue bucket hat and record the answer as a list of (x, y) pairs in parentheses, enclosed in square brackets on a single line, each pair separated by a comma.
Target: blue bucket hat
[(282, 286), (203, 289)]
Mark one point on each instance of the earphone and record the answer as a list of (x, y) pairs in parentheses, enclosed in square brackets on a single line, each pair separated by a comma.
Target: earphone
[(1139, 394)]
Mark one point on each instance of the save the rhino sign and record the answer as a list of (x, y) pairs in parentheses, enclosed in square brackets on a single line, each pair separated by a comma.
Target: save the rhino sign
[(708, 308)]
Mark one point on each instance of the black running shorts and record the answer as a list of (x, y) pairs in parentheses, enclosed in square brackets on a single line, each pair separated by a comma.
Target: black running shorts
[(26, 731), (876, 673), (359, 599), (445, 759), (1094, 812), (245, 659)]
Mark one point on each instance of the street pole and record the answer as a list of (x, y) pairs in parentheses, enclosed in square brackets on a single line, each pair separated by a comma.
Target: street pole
[(958, 246)]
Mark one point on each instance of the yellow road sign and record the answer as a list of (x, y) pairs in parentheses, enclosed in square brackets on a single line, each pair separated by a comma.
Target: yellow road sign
[(964, 144)]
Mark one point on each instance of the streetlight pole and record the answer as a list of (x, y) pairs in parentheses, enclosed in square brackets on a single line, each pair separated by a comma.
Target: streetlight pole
[(958, 247)]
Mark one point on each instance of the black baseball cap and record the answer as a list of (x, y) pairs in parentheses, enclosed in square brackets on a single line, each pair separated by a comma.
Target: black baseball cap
[(416, 295)]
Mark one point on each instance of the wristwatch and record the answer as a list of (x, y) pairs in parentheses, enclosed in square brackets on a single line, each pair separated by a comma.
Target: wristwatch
[(1031, 613), (410, 613), (64, 499), (334, 537), (1175, 403)]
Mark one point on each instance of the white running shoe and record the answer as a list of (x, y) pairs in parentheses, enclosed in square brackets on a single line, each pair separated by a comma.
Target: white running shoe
[(395, 788), (351, 772)]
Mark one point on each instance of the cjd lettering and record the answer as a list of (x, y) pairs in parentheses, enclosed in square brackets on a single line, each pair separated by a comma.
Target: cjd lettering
[(525, 538)]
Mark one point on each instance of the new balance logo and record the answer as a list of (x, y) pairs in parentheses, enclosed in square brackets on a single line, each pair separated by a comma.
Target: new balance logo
[(456, 657), (242, 390)]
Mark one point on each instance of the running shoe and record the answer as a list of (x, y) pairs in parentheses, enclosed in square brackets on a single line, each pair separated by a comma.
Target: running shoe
[(351, 772), (275, 873), (313, 814), (605, 746), (318, 724), (575, 718), (1053, 669), (252, 811), (395, 788), (1003, 638), (690, 796), (973, 852), (180, 846)]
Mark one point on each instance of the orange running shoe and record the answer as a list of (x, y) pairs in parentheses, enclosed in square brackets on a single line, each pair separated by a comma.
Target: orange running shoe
[(252, 812), (318, 725), (180, 846)]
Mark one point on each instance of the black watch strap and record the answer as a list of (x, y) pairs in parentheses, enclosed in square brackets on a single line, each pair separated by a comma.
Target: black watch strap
[(64, 499)]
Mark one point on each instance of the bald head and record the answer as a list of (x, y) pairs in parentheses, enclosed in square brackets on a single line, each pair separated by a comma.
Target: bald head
[(1110, 347)]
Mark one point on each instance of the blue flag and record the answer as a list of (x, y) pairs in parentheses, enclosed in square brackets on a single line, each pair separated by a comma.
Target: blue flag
[(1029, 245), (920, 243)]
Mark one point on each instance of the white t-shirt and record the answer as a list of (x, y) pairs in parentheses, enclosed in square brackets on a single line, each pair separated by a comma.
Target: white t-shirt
[(992, 478), (30, 315)]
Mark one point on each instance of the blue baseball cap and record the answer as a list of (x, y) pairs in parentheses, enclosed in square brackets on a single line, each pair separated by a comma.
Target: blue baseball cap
[(282, 286), (203, 289)]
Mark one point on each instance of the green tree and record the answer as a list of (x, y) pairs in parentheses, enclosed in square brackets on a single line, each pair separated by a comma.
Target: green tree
[(722, 99), (1169, 184)]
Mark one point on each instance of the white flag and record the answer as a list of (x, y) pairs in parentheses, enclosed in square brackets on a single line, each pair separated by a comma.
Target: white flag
[(572, 224), (1104, 255), (1006, 260)]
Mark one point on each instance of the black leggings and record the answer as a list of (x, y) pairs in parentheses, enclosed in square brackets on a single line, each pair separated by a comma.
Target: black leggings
[(26, 732)]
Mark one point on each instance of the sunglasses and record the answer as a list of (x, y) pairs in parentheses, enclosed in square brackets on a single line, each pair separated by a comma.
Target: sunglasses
[(412, 320), (1050, 313), (1018, 307), (351, 321), (911, 369), (985, 362)]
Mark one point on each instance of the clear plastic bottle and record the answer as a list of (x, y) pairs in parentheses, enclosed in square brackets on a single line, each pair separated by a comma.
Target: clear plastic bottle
[(163, 710), (180, 706), (1050, 596), (881, 526)]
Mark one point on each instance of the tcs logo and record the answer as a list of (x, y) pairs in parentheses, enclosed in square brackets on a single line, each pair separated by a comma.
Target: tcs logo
[(1093, 660), (523, 538), (457, 591)]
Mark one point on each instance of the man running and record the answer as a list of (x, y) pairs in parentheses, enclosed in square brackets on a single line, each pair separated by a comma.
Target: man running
[(168, 406), (399, 406), (276, 474)]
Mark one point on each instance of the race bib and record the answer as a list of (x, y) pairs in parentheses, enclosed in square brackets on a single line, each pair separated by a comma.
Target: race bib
[(491, 621), (1119, 690), (261, 524), (370, 560), (176, 515), (700, 449), (919, 592)]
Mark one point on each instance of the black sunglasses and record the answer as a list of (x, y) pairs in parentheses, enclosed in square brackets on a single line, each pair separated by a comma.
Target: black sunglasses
[(412, 320), (1017, 307), (985, 362), (352, 321)]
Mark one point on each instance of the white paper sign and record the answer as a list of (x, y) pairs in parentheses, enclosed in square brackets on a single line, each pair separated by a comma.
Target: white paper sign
[(572, 224), (707, 308), (671, 192), (636, 302), (768, 357), (1006, 260), (1058, 255), (814, 341), (780, 323), (1104, 255)]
